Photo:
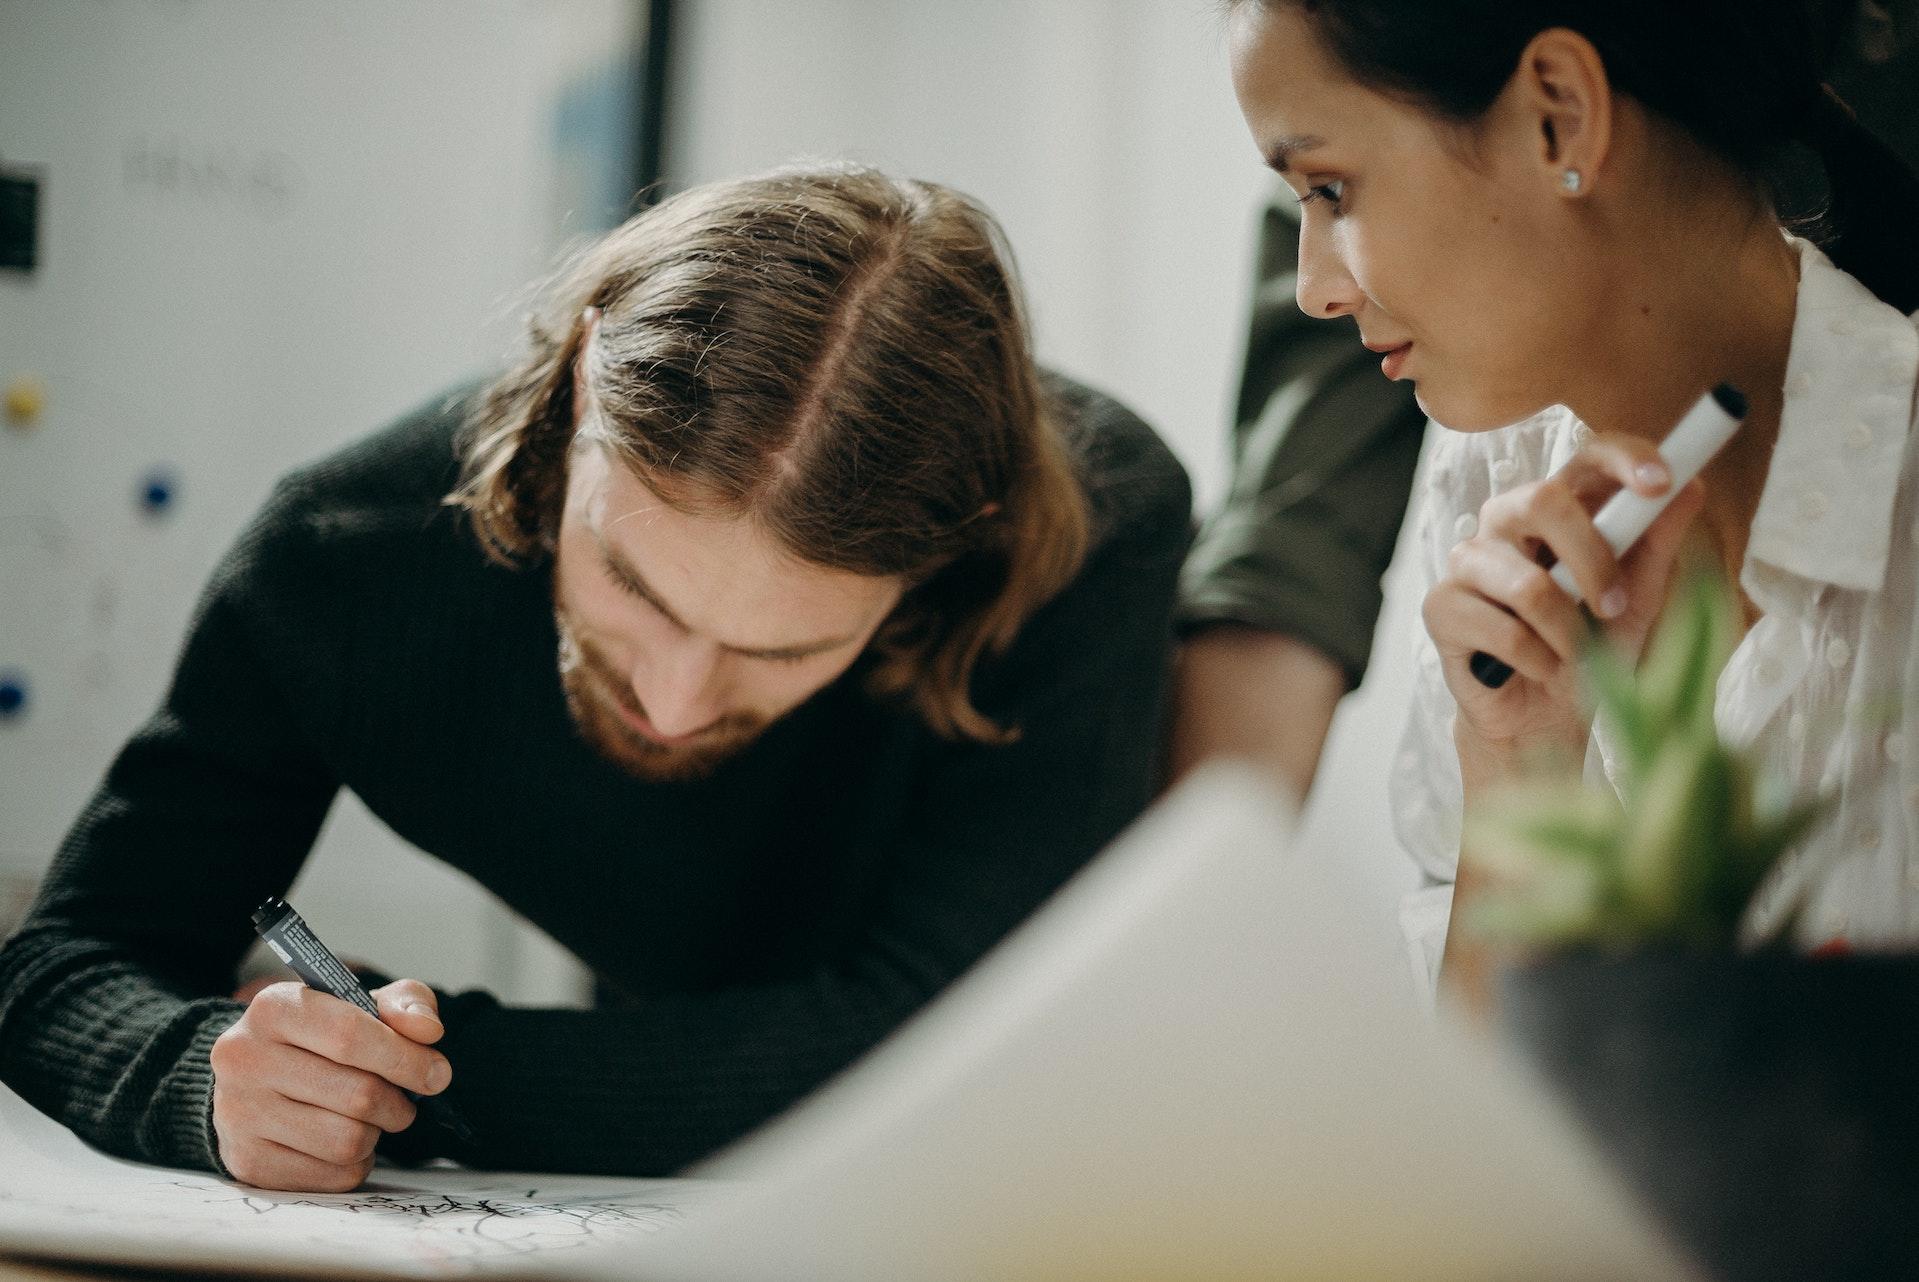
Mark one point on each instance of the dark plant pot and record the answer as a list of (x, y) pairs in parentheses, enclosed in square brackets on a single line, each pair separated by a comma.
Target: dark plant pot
[(1765, 1107)]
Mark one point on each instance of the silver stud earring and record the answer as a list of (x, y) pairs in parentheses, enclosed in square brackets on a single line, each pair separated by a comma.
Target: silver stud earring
[(1570, 180)]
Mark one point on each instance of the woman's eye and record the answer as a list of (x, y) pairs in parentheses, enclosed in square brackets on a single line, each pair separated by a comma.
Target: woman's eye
[(1331, 193)]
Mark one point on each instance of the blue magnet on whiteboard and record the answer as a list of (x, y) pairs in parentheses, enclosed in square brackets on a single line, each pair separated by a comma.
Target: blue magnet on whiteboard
[(13, 695), (157, 492)]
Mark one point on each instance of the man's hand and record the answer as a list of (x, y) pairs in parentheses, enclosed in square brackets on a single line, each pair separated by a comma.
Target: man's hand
[(304, 1083)]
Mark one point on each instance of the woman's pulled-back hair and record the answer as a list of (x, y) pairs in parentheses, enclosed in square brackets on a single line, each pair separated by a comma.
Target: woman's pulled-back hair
[(838, 355), (1743, 78)]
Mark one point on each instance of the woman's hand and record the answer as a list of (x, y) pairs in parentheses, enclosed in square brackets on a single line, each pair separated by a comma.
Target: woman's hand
[(304, 1083), (1497, 597)]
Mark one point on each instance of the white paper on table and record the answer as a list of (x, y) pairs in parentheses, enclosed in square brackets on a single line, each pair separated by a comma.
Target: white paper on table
[(60, 1198), (1201, 1060)]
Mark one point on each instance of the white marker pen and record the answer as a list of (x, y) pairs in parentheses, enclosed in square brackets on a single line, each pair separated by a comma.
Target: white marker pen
[(1691, 444)]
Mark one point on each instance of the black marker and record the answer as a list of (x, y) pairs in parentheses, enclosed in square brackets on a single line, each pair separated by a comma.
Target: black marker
[(293, 942), (1705, 429)]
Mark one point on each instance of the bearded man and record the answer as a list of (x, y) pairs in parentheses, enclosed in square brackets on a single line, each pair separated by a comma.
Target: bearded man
[(774, 635)]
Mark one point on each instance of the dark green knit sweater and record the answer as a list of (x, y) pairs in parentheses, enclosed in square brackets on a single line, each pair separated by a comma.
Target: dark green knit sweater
[(766, 925)]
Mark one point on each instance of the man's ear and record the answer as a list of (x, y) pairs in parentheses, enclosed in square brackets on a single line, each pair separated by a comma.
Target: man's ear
[(1564, 91)]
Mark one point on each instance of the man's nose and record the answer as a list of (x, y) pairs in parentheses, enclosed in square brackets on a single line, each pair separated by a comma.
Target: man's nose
[(679, 687)]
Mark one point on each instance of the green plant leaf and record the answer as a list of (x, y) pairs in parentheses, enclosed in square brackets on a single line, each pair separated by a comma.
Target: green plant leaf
[(1680, 859)]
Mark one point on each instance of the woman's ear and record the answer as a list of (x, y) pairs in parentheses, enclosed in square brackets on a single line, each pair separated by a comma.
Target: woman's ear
[(1563, 90)]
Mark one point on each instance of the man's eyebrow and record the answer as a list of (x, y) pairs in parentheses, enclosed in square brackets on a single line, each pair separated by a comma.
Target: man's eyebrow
[(629, 578), (1280, 155)]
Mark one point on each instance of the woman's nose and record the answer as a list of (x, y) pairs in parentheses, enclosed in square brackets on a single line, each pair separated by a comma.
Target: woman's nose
[(1325, 288)]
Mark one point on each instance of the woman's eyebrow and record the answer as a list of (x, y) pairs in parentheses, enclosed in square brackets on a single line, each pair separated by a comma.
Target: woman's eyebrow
[(1279, 156)]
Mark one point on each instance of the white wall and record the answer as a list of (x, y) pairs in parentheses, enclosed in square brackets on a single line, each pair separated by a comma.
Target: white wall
[(1104, 135), (267, 229)]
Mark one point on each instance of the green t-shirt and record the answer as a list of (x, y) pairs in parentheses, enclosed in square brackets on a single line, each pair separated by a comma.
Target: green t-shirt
[(1324, 447)]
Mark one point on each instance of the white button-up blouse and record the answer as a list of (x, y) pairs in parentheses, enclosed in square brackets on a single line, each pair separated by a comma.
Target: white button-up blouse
[(1825, 686)]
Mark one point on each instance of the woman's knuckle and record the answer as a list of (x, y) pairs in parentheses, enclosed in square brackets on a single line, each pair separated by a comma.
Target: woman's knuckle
[(1557, 500), (1512, 637), (1534, 589), (1543, 499)]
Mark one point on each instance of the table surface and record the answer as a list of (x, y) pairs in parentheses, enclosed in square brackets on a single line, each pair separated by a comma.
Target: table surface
[(28, 1271)]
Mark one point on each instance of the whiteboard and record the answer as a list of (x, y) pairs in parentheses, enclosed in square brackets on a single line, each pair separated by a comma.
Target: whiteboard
[(266, 229)]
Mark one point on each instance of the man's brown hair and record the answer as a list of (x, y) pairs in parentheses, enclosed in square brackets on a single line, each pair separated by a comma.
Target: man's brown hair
[(841, 356)]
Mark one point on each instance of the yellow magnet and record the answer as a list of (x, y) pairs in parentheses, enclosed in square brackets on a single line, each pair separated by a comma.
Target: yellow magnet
[(26, 397)]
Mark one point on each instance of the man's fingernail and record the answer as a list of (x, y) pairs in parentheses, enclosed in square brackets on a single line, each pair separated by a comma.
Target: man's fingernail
[(1613, 603), (420, 1008), (439, 1075), (1652, 473)]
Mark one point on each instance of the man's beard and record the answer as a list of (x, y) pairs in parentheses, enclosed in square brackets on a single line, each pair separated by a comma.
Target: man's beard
[(594, 690)]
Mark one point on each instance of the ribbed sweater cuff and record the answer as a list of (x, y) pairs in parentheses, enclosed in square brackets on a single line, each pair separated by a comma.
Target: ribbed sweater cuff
[(179, 1128)]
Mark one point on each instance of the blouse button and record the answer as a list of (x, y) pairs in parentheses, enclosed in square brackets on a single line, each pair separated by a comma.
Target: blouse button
[(1812, 505), (1799, 384), (1860, 437), (1869, 840), (1796, 725), (1504, 470), (1768, 671), (1466, 526), (1838, 653), (1843, 327)]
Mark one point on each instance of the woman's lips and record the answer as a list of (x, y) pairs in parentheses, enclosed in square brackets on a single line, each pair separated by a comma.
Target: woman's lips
[(1394, 361)]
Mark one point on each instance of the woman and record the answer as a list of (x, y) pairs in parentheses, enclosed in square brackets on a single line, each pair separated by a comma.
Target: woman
[(1551, 219)]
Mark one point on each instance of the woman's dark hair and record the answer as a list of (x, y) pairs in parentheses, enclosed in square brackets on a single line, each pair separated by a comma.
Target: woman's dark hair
[(1743, 78)]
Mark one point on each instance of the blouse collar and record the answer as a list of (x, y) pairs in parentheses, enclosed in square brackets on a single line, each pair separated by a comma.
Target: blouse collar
[(1826, 512)]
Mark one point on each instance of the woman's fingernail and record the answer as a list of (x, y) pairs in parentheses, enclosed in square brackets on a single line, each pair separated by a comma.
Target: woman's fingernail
[(1613, 603), (438, 1076), (1652, 474), (420, 1008)]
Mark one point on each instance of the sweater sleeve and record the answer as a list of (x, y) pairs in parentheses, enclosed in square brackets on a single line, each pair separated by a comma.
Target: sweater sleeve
[(113, 991), (991, 833)]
